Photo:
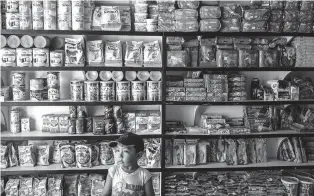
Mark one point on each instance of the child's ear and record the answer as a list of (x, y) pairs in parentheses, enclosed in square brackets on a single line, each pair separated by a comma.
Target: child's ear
[(139, 155)]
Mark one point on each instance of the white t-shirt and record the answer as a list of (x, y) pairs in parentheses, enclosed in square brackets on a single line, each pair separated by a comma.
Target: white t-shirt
[(128, 184)]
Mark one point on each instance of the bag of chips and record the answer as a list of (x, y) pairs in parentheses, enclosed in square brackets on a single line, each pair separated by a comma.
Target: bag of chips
[(152, 54), (70, 185), (74, 53), (134, 54), (67, 152), (113, 53), (111, 18), (176, 58), (98, 187), (12, 187), (153, 152), (95, 154), (95, 52), (40, 184), (106, 154), (26, 186), (55, 187), (84, 185), (43, 154), (4, 157), (83, 154), (27, 155)]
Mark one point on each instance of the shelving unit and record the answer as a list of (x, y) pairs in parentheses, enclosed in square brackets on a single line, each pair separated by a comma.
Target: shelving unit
[(247, 102), (86, 68)]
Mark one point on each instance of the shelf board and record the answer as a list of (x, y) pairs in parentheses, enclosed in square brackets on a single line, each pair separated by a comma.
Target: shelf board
[(246, 102), (279, 133), (77, 103), (39, 135), (86, 68), (245, 34), (270, 165), (56, 169), (240, 69)]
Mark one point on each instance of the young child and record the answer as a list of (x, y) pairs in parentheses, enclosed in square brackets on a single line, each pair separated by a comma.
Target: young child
[(126, 177)]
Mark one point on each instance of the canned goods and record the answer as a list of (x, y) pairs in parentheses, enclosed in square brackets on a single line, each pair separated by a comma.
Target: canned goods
[(40, 57), (5, 93), (155, 75), (130, 75), (80, 125), (45, 123), (3, 21), (73, 111), (27, 41), (36, 95), (53, 93), (123, 91), (12, 6), (77, 7), (25, 7), (110, 126), (56, 58), (26, 22), (53, 79), (108, 111), (64, 6), (57, 43), (50, 21), (119, 125), (41, 42), (138, 91), (77, 22), (98, 125), (77, 90), (107, 91), (143, 75), (45, 89), (8, 57), (117, 111), (24, 57), (19, 93), (89, 124), (37, 84), (64, 22), (13, 41), (50, 7), (72, 126), (154, 90), (81, 111), (15, 128), (91, 90), (38, 22), (37, 7), (15, 116), (18, 79)]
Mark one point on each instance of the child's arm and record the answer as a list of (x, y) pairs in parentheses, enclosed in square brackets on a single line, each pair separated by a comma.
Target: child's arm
[(108, 186), (148, 188)]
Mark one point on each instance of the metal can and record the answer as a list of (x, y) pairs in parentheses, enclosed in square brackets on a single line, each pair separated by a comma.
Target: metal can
[(119, 125), (72, 126), (3, 41), (73, 111), (40, 57), (56, 58), (107, 91), (36, 95), (19, 93), (12, 6), (64, 6), (24, 57), (50, 6), (12, 21), (27, 41), (37, 84), (77, 90), (41, 42), (80, 125), (15, 128), (8, 57), (15, 116), (77, 7), (53, 93), (13, 41), (117, 111), (123, 91), (37, 7), (110, 126), (5, 93), (98, 125), (108, 111), (26, 22), (138, 91), (53, 79), (89, 125), (45, 89), (77, 22), (25, 124), (91, 90), (64, 22), (81, 111), (38, 22), (50, 17), (154, 90), (25, 7), (18, 79), (54, 124)]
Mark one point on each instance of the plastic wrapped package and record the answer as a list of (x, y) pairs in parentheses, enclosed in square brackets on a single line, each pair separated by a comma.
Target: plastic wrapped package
[(175, 40), (210, 12), (291, 15), (140, 17), (306, 16), (186, 26), (269, 58), (113, 53), (176, 58), (254, 26), (166, 7), (276, 15), (230, 25), (191, 56), (288, 57), (111, 18), (186, 14), (227, 47), (256, 14), (307, 5), (241, 40), (152, 54), (232, 11), (290, 27), (174, 47), (207, 52), (242, 47), (291, 5), (274, 27), (274, 4), (305, 28), (227, 58), (248, 58), (134, 54), (188, 4), (166, 24), (210, 25), (27, 155)]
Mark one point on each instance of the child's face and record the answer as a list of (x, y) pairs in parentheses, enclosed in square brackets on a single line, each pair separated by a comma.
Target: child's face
[(125, 155)]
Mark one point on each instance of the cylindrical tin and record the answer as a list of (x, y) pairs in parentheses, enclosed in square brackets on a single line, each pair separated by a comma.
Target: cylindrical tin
[(130, 75), (56, 58), (3, 21), (36, 84), (81, 111), (40, 57), (36, 95), (64, 6), (77, 22), (57, 43), (117, 111), (24, 57), (38, 22), (117, 76), (138, 92), (105, 75), (80, 125), (8, 57), (107, 91), (15, 116), (37, 7), (64, 22), (77, 90), (89, 124), (12, 6), (73, 111), (3, 41), (123, 91), (72, 126), (41, 42), (155, 75), (53, 79), (91, 90), (50, 6), (25, 7), (50, 16), (15, 128), (18, 79), (13, 41), (27, 41), (5, 93), (143, 75), (53, 93), (110, 126), (26, 22), (119, 125), (108, 111), (154, 90), (19, 93), (45, 89), (77, 7)]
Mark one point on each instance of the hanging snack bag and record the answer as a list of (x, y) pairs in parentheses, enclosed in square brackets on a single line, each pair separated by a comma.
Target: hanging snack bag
[(113, 53), (95, 154), (111, 18), (134, 54), (70, 185), (95, 52), (42, 154), (106, 154), (152, 54), (67, 152), (4, 157), (83, 154), (74, 53), (26, 186), (27, 156), (12, 187), (40, 184)]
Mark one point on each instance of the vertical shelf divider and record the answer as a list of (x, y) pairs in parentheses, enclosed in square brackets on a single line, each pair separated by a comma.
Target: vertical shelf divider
[(163, 107)]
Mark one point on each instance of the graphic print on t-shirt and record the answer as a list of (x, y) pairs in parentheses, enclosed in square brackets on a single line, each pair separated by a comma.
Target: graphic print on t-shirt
[(133, 190)]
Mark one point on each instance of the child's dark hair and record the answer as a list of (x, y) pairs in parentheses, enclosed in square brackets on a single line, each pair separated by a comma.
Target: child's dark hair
[(130, 139)]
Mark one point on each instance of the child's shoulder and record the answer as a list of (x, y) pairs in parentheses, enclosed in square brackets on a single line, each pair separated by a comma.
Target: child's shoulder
[(113, 169), (144, 171)]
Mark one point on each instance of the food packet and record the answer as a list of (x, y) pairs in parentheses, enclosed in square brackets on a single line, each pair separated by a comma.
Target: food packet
[(67, 152), (134, 54), (274, 27), (13, 155), (56, 153), (291, 5), (186, 14), (95, 154), (241, 152), (227, 58), (55, 187), (188, 4), (306, 16), (97, 18), (276, 16), (230, 25), (186, 26), (261, 150), (274, 4), (83, 153), (288, 57), (70, 185), (248, 58), (125, 17), (12, 187), (106, 154), (98, 187), (210, 12), (291, 15), (42, 152), (256, 14), (111, 18), (307, 5), (290, 27), (27, 155), (153, 152), (95, 52), (210, 25), (305, 28), (221, 150), (152, 54), (232, 11), (207, 51), (84, 185), (113, 53), (176, 58), (254, 26), (174, 40), (231, 155), (26, 186), (40, 184), (74, 53), (190, 152), (268, 58)]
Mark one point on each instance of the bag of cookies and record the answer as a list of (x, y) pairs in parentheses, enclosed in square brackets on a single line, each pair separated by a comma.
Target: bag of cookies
[(95, 52), (176, 58), (42, 152), (70, 185), (84, 185), (106, 154), (40, 184), (186, 14), (231, 155), (241, 152), (152, 54), (230, 25), (134, 54), (67, 152), (83, 154), (27, 155), (210, 25), (111, 18), (26, 186), (232, 11), (74, 53), (12, 187), (13, 155), (113, 53)]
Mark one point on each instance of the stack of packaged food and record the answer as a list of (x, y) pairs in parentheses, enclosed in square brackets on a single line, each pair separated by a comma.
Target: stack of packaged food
[(216, 87), (194, 89), (175, 90), (237, 87), (210, 18), (166, 15), (17, 122), (304, 47), (187, 16), (292, 149), (146, 15)]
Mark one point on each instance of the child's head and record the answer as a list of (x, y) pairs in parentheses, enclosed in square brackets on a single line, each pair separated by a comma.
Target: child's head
[(128, 148)]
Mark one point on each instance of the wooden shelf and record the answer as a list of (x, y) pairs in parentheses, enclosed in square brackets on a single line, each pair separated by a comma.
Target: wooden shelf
[(56, 169), (246, 102), (272, 164), (220, 69)]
